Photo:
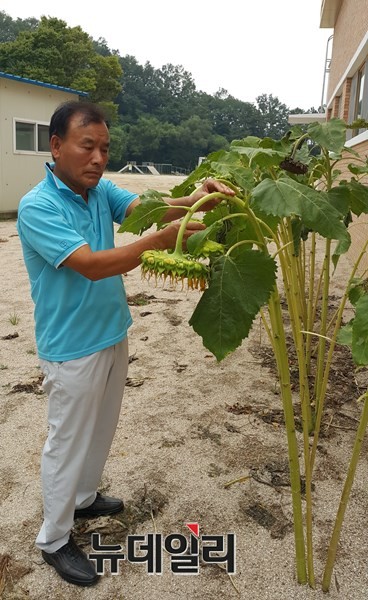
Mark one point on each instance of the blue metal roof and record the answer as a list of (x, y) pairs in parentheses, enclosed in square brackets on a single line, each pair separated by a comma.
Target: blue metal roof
[(42, 84)]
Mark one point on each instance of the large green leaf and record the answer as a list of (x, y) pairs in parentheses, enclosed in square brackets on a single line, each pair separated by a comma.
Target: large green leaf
[(331, 135), (263, 157), (239, 287), (189, 184), (249, 141), (319, 215), (230, 166), (283, 145), (358, 169), (196, 241), (303, 155), (286, 197), (217, 215), (358, 197), (358, 288), (360, 332), (240, 231), (277, 198), (220, 211), (296, 228), (339, 197), (342, 247), (243, 177), (150, 210), (225, 161), (345, 335)]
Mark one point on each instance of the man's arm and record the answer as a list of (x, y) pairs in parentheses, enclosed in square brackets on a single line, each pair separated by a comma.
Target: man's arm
[(106, 263), (208, 187)]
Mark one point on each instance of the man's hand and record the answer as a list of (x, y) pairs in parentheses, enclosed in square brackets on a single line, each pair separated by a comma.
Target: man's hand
[(208, 187), (170, 233)]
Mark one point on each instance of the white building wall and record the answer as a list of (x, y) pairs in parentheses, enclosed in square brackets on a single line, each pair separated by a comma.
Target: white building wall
[(20, 171)]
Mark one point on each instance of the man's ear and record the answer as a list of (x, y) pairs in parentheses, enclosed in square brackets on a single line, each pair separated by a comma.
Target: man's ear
[(55, 145)]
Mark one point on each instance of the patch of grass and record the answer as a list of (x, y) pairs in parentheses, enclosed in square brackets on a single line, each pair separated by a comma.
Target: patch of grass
[(3, 367), (14, 319), (140, 299)]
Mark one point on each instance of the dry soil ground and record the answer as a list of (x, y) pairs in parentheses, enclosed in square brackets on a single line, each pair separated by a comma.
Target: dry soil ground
[(188, 427)]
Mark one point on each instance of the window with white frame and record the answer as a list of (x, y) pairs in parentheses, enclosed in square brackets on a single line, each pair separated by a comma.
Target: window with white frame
[(358, 106), (31, 136), (360, 94)]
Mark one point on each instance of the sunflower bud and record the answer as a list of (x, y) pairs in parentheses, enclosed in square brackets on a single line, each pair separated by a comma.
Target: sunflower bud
[(162, 265), (211, 248)]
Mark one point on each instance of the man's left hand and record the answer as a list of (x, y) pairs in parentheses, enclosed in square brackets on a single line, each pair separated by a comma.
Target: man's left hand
[(208, 187)]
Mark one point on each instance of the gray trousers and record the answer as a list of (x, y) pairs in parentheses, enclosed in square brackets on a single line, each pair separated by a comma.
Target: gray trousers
[(84, 401)]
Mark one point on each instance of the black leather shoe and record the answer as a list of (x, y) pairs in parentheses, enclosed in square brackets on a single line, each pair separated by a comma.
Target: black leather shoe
[(72, 564), (102, 506)]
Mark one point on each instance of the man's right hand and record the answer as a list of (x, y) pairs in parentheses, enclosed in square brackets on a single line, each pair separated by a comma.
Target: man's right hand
[(107, 263), (170, 233)]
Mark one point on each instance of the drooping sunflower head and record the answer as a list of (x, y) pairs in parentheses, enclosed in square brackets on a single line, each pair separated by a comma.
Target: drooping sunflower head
[(163, 265)]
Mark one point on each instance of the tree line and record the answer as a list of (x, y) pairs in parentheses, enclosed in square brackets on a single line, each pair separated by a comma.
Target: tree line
[(155, 115)]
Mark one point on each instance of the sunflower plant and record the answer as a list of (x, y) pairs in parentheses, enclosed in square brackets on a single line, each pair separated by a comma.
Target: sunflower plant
[(260, 246)]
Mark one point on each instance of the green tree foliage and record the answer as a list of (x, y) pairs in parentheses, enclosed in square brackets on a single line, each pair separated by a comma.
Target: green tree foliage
[(197, 139), (177, 89), (165, 93), (233, 118), (56, 53), (139, 93), (155, 114), (144, 137), (10, 29), (100, 46), (118, 143), (274, 115)]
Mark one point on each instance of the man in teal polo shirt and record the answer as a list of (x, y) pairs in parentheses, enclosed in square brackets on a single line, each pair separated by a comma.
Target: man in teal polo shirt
[(65, 225)]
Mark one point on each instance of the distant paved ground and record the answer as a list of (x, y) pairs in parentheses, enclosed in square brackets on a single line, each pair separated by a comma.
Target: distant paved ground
[(141, 183)]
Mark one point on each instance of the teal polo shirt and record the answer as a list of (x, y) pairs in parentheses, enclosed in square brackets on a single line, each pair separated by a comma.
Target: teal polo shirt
[(74, 316)]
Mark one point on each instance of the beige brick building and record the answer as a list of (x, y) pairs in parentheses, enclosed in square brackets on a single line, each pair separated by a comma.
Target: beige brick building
[(347, 95), (347, 90)]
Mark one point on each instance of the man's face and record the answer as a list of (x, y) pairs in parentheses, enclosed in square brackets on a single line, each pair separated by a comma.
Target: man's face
[(81, 156)]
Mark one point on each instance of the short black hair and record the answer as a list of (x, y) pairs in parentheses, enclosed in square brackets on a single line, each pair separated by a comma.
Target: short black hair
[(91, 113)]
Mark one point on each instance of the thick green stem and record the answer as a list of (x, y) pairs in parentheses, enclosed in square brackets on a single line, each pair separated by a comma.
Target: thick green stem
[(316, 305), (272, 234), (281, 249), (301, 278), (196, 206), (322, 395), (280, 348), (296, 308), (281, 354), (257, 226), (298, 144), (306, 416), (331, 555), (323, 327), (267, 328), (325, 277), (311, 301), (292, 285), (243, 243), (229, 184)]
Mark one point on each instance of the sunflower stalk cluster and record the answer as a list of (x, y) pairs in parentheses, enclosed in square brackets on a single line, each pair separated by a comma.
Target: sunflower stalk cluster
[(290, 202)]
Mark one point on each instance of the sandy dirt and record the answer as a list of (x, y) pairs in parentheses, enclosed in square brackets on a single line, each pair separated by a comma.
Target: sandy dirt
[(188, 427)]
